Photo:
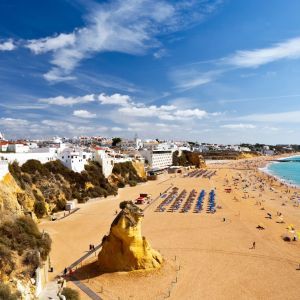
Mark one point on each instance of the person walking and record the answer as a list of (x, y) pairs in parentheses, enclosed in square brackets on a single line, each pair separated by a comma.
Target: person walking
[(253, 245)]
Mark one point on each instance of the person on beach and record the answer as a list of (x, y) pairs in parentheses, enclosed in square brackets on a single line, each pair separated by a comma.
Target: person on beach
[(253, 245), (65, 271)]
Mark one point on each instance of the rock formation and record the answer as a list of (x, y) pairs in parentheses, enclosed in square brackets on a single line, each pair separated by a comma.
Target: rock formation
[(125, 249)]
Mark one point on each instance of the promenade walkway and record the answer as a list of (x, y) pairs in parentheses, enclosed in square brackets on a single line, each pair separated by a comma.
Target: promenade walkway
[(51, 289)]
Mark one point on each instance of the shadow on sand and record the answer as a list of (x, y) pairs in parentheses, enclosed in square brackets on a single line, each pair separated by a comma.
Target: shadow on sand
[(88, 271)]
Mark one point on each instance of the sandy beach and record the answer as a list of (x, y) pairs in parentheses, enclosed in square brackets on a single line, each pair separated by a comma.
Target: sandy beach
[(208, 256)]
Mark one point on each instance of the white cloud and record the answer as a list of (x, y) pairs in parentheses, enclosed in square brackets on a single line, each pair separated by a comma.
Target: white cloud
[(191, 113), (68, 101), (190, 76), (115, 99), (117, 129), (7, 45), (164, 112), (56, 75), (83, 114), (289, 49), (281, 117), (11, 122), (119, 26), (187, 78), (51, 43), (58, 124), (238, 126), (139, 110), (160, 53)]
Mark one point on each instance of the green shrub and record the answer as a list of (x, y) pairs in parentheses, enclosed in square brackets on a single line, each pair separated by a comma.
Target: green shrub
[(32, 166), (40, 208), (132, 183), (15, 171), (6, 294), (121, 184), (7, 264), (27, 178), (32, 261), (23, 234), (61, 204), (70, 294)]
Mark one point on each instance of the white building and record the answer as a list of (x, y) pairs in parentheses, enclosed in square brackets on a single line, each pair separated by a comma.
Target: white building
[(3, 146), (32, 145), (43, 156), (132, 144), (17, 148), (108, 157), (158, 159), (74, 159), (105, 160)]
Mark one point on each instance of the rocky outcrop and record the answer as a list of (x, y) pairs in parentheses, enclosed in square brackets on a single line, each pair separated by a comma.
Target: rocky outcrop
[(195, 159), (12, 196), (188, 158), (140, 168), (125, 249), (234, 155)]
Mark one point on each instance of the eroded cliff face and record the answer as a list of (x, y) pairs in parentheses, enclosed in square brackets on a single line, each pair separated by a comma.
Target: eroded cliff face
[(125, 249), (140, 168), (11, 195)]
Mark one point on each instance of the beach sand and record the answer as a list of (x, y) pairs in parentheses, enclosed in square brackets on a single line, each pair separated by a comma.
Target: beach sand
[(213, 258)]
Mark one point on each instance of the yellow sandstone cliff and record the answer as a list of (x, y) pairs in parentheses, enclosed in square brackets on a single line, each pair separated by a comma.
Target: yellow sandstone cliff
[(140, 168), (9, 191), (125, 249)]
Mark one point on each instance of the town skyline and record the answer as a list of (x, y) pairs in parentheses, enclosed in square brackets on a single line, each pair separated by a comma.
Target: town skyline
[(176, 70)]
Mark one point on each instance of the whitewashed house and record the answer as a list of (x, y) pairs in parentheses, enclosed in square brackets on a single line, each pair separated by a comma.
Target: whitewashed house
[(74, 159), (43, 155), (106, 161), (3, 146), (17, 148)]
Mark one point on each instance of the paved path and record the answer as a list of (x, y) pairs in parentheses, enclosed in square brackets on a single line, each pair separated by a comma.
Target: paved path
[(51, 289), (82, 258), (90, 293)]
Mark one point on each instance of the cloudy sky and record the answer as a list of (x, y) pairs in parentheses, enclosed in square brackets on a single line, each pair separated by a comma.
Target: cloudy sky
[(224, 71)]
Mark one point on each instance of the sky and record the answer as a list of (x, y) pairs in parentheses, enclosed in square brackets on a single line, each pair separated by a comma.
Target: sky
[(219, 71)]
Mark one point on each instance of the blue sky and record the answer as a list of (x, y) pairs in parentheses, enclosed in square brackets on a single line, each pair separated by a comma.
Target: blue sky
[(212, 71)]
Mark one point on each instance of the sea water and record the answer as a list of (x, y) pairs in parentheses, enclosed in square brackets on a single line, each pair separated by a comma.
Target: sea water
[(287, 171)]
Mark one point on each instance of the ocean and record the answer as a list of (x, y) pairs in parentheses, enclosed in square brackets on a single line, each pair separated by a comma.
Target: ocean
[(289, 171)]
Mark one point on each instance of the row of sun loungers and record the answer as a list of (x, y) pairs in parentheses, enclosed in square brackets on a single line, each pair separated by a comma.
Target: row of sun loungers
[(211, 202), (201, 173), (175, 200), (199, 203), (189, 202), (167, 200), (177, 203), (209, 174)]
